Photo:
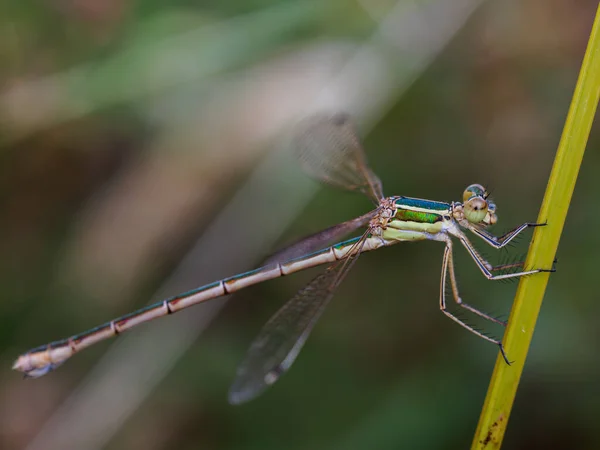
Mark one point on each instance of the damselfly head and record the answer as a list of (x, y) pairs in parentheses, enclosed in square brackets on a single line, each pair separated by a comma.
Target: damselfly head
[(478, 207), (474, 190)]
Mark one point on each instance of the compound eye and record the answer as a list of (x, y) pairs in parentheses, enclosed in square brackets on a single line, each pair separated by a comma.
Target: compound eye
[(475, 209), (475, 190)]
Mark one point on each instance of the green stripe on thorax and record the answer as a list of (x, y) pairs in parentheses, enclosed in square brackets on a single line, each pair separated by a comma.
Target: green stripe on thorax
[(420, 211), (415, 216), (407, 215)]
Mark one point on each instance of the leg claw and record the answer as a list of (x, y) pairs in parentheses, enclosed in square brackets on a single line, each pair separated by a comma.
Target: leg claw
[(503, 353)]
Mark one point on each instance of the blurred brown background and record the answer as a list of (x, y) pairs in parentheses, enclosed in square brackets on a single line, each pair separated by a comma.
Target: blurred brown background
[(142, 149)]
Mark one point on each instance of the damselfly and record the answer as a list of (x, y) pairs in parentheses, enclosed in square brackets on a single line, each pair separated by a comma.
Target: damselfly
[(329, 150)]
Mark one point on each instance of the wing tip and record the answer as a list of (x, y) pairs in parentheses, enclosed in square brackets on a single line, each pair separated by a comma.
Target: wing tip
[(240, 396), (243, 391)]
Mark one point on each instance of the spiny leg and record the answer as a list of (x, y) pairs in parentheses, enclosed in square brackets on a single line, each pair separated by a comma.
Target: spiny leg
[(501, 241), (487, 269), (454, 286), (443, 308), (508, 266)]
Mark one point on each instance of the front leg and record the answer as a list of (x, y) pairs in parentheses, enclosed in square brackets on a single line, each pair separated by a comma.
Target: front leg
[(487, 269), (501, 241)]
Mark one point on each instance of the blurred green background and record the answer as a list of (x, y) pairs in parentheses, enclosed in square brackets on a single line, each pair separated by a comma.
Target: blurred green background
[(142, 149)]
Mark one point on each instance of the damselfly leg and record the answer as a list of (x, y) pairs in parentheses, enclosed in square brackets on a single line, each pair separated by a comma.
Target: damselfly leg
[(487, 269)]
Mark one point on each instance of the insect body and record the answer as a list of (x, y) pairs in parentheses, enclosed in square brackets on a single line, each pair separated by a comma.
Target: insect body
[(330, 151)]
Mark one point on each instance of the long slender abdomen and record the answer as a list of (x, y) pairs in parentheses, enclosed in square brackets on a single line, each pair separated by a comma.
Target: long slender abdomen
[(41, 360)]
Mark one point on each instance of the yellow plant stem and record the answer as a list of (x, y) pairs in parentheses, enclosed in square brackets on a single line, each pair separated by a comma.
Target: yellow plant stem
[(528, 300)]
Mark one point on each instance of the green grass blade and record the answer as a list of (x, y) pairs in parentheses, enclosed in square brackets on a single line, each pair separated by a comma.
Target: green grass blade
[(528, 300)]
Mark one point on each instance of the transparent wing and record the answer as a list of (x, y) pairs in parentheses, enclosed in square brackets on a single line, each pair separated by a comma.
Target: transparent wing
[(281, 339), (322, 239), (329, 150)]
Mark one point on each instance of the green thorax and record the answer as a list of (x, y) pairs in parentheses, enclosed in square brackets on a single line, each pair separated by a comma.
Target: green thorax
[(420, 211)]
